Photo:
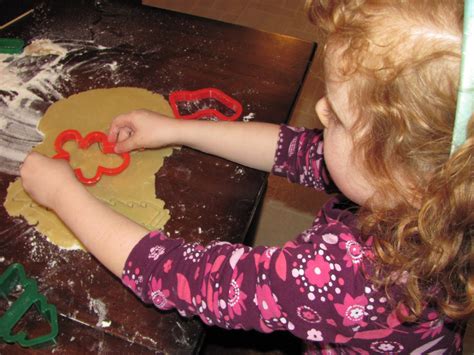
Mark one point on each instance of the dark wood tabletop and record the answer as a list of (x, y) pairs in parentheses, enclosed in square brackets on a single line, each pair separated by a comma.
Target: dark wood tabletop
[(160, 51)]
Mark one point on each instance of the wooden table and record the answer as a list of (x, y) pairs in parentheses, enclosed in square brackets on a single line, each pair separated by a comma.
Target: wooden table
[(161, 51)]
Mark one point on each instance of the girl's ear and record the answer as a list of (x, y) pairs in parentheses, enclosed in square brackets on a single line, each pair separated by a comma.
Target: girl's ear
[(323, 111)]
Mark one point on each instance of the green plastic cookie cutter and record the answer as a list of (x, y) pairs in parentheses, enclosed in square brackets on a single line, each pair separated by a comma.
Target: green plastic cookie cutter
[(13, 278), (11, 45)]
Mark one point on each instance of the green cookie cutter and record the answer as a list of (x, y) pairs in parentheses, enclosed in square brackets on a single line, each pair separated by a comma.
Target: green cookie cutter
[(11, 45), (10, 280)]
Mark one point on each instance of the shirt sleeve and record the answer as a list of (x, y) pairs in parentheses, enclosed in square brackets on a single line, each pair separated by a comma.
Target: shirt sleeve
[(299, 157), (238, 287)]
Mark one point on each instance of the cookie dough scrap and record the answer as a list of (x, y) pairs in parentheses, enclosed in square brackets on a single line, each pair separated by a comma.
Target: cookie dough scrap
[(131, 193)]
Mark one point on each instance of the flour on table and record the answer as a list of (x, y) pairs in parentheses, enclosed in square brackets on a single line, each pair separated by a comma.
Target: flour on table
[(29, 83), (248, 117)]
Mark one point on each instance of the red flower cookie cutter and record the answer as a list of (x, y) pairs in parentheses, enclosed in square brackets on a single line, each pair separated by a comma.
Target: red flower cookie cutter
[(209, 93), (84, 143)]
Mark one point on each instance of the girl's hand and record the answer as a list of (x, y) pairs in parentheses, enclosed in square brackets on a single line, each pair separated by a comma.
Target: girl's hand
[(142, 129), (45, 179), (105, 233)]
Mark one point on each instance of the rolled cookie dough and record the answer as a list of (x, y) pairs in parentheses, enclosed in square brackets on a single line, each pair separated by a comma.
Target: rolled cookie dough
[(131, 193)]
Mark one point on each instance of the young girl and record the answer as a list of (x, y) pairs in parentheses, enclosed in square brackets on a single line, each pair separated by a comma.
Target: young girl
[(387, 265)]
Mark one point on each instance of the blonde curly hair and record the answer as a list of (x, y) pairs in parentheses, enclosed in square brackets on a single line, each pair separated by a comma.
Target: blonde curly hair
[(401, 59)]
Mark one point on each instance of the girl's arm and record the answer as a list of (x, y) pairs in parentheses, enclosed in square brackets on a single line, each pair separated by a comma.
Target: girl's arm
[(233, 286), (106, 234), (250, 144)]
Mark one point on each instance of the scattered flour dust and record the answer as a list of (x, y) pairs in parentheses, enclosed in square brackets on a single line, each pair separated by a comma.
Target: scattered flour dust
[(248, 117), (99, 307), (20, 88), (42, 47), (29, 83), (23, 86)]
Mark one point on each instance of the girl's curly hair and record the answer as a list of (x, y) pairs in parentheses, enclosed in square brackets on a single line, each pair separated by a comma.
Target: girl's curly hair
[(401, 59)]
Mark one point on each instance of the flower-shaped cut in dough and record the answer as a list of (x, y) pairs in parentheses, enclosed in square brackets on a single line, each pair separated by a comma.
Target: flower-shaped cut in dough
[(84, 143)]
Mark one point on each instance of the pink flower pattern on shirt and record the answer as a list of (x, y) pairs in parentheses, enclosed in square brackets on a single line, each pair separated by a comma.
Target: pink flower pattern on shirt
[(315, 286), (267, 302), (354, 251), (318, 271), (352, 310), (158, 295), (237, 297)]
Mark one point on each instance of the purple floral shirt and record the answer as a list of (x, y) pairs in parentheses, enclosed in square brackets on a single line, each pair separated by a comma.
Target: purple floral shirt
[(313, 286)]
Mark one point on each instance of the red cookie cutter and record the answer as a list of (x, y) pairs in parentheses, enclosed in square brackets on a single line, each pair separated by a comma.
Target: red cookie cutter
[(84, 143), (209, 93)]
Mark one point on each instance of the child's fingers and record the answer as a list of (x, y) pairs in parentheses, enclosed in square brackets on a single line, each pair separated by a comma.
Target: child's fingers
[(118, 123), (124, 134), (118, 134), (113, 134), (125, 145)]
